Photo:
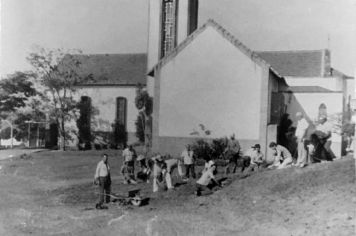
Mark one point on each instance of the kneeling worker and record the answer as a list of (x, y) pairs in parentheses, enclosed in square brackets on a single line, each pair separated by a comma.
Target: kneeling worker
[(207, 181), (283, 158)]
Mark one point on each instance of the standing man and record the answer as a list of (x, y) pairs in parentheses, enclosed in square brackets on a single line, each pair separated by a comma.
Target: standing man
[(232, 154), (300, 133), (325, 129), (102, 177), (283, 158), (129, 155), (188, 160)]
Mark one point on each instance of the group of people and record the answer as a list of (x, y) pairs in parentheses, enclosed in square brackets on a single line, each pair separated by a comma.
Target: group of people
[(315, 148)]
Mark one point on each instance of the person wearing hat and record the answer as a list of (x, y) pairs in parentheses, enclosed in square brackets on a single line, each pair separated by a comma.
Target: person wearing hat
[(207, 181), (102, 178), (300, 133), (256, 156), (324, 131)]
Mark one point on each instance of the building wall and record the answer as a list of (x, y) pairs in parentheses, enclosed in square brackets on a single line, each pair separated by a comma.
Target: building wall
[(309, 103), (182, 28), (197, 87), (104, 100), (154, 18), (331, 83), (211, 91)]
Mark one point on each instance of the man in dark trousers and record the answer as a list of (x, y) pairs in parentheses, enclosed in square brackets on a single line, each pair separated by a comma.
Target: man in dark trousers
[(102, 177)]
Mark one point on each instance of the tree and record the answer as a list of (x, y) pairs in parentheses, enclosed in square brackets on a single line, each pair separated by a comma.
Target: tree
[(144, 103), (18, 94), (58, 73)]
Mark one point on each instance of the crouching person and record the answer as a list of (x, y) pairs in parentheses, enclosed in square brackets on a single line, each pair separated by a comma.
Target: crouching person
[(256, 157), (145, 171), (103, 179), (168, 168), (207, 181), (282, 157), (158, 166), (126, 171)]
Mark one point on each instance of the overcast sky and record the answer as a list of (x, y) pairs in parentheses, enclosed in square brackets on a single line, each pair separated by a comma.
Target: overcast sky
[(120, 26)]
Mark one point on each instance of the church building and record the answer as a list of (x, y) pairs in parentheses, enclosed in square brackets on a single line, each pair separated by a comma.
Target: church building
[(206, 76)]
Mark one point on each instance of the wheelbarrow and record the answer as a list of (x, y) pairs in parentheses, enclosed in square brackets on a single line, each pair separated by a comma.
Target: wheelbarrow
[(134, 198)]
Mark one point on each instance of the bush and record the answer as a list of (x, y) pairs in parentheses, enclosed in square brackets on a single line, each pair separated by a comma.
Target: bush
[(210, 150), (140, 127), (119, 135)]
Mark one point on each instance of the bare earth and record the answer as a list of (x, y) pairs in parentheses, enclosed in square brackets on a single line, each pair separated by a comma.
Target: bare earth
[(52, 194)]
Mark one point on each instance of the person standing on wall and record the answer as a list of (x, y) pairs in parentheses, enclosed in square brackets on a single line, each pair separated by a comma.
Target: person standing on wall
[(300, 133)]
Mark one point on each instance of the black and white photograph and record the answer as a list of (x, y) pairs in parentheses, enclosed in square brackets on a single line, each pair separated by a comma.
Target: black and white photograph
[(177, 117)]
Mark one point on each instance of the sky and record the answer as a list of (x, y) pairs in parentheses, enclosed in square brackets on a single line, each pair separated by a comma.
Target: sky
[(120, 26)]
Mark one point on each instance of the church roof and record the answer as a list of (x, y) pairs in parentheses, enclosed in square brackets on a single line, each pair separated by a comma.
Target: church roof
[(114, 69), (227, 35), (295, 63), (309, 89)]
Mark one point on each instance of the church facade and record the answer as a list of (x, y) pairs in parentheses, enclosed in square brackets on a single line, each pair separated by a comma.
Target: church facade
[(206, 76)]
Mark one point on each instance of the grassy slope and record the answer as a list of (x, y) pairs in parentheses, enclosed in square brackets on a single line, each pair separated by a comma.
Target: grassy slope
[(52, 193)]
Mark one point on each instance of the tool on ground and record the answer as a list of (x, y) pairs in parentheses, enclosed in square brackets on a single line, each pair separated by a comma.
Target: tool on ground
[(133, 197)]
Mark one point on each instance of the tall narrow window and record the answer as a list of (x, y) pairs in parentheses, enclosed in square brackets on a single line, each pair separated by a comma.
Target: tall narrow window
[(121, 104), (84, 122), (193, 16), (169, 26)]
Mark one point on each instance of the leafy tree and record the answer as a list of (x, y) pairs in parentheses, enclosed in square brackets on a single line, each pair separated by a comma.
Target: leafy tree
[(20, 101), (144, 104), (58, 74)]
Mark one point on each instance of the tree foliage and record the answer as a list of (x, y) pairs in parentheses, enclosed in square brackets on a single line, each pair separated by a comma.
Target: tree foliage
[(58, 74), (144, 103), (20, 101)]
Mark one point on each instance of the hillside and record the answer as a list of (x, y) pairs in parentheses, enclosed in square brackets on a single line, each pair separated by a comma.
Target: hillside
[(51, 193)]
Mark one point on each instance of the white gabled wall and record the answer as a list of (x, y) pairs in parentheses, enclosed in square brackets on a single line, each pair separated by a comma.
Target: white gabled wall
[(210, 82)]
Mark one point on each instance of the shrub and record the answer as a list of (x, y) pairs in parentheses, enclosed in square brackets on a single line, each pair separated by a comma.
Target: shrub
[(140, 127), (202, 149), (119, 135), (210, 150)]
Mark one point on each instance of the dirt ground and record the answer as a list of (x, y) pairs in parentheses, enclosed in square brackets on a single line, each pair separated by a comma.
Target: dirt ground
[(51, 193)]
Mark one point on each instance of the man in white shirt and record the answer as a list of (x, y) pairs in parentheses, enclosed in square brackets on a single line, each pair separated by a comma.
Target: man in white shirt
[(188, 160), (169, 167), (207, 178), (102, 177), (300, 133)]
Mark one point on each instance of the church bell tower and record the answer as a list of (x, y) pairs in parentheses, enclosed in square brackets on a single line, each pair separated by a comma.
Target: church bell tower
[(170, 22)]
